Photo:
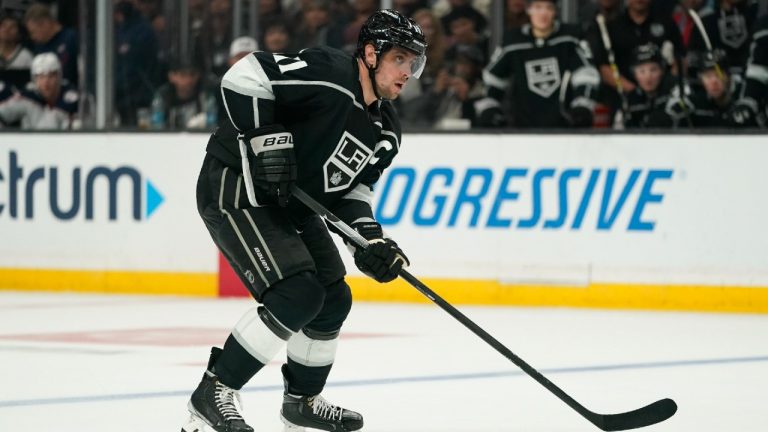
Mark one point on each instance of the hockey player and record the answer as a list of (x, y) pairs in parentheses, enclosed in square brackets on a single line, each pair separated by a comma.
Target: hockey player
[(48, 102), (320, 119), (647, 102), (533, 62), (751, 106), (712, 106), (729, 26)]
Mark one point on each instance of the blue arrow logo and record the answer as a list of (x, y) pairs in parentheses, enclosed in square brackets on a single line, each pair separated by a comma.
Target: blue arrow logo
[(153, 199)]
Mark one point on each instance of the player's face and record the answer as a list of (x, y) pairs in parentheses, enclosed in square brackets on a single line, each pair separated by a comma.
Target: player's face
[(393, 72), (542, 14), (648, 76), (714, 85)]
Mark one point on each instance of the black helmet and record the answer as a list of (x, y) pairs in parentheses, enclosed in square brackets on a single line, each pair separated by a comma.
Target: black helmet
[(389, 28), (647, 53), (716, 59)]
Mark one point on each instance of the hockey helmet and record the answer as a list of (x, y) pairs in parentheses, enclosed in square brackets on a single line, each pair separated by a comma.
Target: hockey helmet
[(647, 53), (709, 60), (45, 63), (389, 28)]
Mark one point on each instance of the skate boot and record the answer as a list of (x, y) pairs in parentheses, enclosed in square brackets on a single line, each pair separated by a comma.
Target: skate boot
[(314, 412), (214, 407)]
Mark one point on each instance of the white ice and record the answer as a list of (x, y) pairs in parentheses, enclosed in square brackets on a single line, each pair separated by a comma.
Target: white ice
[(86, 363)]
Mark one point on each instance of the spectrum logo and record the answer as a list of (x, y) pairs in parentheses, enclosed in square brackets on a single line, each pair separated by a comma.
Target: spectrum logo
[(87, 192)]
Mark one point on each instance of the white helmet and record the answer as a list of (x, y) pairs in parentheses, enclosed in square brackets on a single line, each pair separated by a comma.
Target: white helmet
[(45, 63)]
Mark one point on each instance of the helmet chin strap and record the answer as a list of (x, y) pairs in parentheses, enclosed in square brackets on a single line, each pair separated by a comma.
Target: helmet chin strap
[(372, 76)]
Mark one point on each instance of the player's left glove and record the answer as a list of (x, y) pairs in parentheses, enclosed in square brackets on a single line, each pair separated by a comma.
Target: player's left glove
[(383, 259)]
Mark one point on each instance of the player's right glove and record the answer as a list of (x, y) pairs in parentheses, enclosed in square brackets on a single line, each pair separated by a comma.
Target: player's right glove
[(272, 163), (581, 117), (383, 259)]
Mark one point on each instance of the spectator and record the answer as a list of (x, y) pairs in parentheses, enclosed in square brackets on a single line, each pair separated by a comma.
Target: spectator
[(457, 100), (184, 102), (729, 26), (533, 62), (466, 9), (314, 25), (409, 7), (13, 55), (269, 12), (711, 107), (515, 15), (49, 103), (6, 92), (750, 110), (153, 12), (277, 37), (211, 47), (436, 45), (136, 65), (48, 35), (240, 48), (441, 8), (647, 102), (465, 26), (362, 10)]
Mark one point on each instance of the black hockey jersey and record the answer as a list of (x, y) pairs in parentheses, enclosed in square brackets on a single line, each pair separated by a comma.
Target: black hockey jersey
[(341, 145), (755, 92), (649, 111), (533, 70), (728, 30)]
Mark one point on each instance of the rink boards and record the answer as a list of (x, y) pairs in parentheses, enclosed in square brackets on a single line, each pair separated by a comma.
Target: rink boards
[(649, 221)]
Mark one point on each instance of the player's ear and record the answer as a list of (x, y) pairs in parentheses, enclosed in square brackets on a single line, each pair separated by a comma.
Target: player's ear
[(370, 56)]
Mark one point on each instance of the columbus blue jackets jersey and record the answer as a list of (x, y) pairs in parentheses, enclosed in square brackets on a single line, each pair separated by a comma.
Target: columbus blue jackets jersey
[(341, 145)]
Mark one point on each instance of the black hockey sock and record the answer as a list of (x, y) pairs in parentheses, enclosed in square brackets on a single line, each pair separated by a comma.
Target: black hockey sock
[(235, 366), (303, 380)]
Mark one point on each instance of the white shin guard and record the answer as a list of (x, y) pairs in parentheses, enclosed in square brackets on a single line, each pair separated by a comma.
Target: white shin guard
[(261, 334), (312, 352)]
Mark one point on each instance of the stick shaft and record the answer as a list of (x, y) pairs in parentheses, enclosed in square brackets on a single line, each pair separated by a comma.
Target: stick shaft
[(355, 237)]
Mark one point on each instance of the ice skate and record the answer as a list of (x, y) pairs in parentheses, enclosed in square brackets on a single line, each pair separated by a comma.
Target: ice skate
[(214, 407), (314, 412)]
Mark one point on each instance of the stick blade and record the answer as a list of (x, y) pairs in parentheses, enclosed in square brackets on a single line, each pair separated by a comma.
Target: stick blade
[(648, 415)]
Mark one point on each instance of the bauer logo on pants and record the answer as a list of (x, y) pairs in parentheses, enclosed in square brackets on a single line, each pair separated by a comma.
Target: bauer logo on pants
[(347, 161), (543, 76)]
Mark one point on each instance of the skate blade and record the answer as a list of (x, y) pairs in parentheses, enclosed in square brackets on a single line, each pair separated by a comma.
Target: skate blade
[(290, 427), (196, 424)]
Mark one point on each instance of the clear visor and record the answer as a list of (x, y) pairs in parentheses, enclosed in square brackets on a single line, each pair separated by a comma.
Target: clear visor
[(417, 66), (413, 67)]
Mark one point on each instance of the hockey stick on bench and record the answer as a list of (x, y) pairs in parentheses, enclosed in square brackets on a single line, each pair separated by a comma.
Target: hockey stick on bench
[(645, 416)]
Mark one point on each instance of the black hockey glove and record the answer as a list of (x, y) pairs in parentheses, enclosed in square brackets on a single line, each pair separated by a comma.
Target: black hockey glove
[(742, 116), (581, 117), (272, 163), (382, 260)]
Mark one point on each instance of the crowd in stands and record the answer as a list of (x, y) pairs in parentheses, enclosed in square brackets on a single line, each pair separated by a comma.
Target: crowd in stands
[(626, 64)]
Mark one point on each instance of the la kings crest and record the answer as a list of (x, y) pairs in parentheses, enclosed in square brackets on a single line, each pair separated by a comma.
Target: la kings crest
[(733, 30), (347, 161), (543, 76)]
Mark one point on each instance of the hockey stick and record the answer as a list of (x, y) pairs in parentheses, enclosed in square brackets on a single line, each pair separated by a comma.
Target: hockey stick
[(704, 36), (645, 416), (612, 61), (566, 81)]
